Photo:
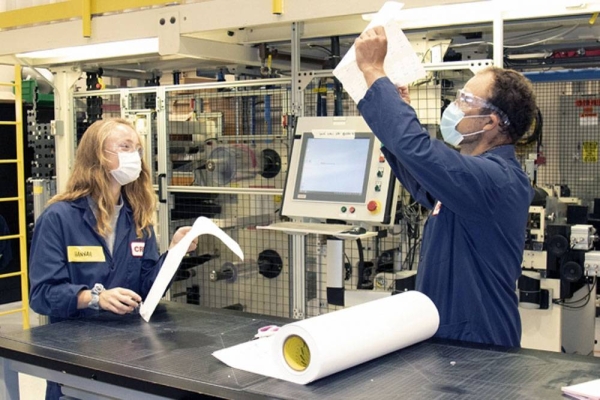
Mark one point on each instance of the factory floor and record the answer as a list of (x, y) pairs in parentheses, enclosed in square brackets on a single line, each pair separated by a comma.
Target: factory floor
[(33, 388)]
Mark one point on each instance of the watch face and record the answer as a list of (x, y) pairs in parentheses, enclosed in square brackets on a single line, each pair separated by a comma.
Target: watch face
[(97, 288)]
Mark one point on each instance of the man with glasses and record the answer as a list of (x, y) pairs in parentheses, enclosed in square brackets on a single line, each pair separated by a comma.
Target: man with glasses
[(473, 241)]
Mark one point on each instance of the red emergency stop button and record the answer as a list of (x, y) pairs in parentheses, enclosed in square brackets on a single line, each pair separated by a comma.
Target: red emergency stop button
[(373, 206)]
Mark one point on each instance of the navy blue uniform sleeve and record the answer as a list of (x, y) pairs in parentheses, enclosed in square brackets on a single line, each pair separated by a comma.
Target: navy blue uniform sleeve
[(415, 189), (467, 185), (52, 292)]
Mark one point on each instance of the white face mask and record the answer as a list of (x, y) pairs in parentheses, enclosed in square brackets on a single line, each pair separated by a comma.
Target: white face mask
[(130, 166), (450, 118)]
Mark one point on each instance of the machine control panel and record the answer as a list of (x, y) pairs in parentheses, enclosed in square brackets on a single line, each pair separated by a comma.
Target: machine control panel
[(338, 172)]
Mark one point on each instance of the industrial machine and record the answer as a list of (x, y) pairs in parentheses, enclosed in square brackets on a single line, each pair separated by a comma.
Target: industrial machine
[(337, 172), (340, 186), (558, 286)]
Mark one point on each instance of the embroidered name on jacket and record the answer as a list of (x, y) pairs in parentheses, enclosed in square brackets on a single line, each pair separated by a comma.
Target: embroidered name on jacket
[(85, 254)]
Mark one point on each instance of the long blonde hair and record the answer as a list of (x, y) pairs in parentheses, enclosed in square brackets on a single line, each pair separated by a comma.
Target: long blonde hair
[(91, 176)]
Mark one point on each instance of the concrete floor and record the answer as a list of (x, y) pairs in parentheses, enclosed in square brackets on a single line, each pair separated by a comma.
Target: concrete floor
[(33, 388)]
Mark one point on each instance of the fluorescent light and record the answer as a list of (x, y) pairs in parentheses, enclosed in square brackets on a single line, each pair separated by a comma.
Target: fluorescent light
[(486, 11), (544, 54), (94, 51)]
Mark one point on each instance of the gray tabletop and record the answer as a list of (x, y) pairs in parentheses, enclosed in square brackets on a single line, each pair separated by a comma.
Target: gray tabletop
[(171, 356)]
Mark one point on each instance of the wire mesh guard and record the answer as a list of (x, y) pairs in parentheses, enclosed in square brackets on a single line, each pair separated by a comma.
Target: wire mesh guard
[(227, 159)]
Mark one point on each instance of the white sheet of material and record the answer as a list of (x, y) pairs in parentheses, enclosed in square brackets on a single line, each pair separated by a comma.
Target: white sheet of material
[(401, 64), (338, 340), (584, 391), (201, 226)]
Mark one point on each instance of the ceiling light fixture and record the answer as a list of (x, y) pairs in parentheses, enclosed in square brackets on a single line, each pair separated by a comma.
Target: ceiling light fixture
[(124, 48)]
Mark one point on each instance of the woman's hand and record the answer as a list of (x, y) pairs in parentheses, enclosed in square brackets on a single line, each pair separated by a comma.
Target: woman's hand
[(179, 234), (119, 300)]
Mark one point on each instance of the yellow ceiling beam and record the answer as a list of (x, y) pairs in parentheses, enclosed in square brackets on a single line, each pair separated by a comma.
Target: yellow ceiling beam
[(104, 6), (84, 9), (40, 14), (86, 17)]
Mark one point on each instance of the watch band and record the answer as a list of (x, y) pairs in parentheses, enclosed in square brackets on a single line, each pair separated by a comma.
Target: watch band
[(95, 302)]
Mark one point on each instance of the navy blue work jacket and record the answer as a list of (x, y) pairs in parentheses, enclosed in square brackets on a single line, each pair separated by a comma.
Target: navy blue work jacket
[(56, 281), (474, 238)]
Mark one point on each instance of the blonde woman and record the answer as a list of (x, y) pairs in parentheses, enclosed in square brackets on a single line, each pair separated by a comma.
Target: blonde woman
[(94, 247)]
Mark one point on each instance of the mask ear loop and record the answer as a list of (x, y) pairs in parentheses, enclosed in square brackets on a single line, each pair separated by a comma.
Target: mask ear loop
[(464, 135)]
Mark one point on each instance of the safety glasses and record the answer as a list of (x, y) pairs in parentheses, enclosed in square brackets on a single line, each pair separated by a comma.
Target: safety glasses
[(125, 147), (466, 101)]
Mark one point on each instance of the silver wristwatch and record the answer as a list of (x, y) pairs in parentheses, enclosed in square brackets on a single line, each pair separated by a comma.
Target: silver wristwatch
[(96, 290)]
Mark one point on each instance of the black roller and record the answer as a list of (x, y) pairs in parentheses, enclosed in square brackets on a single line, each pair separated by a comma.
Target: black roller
[(571, 271), (269, 264), (558, 245), (271, 163)]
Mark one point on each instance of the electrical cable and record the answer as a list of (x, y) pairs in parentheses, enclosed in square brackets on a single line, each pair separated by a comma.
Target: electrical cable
[(532, 33), (318, 46), (361, 264), (518, 46), (348, 273), (543, 40), (410, 256), (587, 298), (411, 214)]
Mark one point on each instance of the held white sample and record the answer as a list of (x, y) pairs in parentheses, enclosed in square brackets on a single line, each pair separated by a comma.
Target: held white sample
[(201, 226), (401, 63), (307, 350)]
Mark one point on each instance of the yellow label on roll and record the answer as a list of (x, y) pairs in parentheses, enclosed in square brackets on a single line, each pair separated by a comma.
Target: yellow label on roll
[(296, 353), (38, 189), (85, 254)]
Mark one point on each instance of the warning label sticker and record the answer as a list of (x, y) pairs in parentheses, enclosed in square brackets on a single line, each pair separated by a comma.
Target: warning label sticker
[(590, 152)]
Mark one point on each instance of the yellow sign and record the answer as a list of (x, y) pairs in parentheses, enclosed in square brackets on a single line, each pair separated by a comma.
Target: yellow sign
[(38, 190), (85, 254), (590, 152)]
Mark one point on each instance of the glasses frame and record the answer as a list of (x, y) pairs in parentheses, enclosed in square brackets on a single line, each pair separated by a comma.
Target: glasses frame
[(469, 100), (122, 148)]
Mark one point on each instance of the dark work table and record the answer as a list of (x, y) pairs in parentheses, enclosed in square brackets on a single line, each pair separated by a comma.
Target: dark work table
[(170, 357)]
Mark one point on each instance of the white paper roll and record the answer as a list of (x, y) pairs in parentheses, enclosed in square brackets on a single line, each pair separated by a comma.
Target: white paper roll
[(307, 350)]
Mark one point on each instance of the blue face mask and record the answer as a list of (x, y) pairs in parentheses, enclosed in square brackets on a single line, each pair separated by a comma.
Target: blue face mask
[(450, 118)]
